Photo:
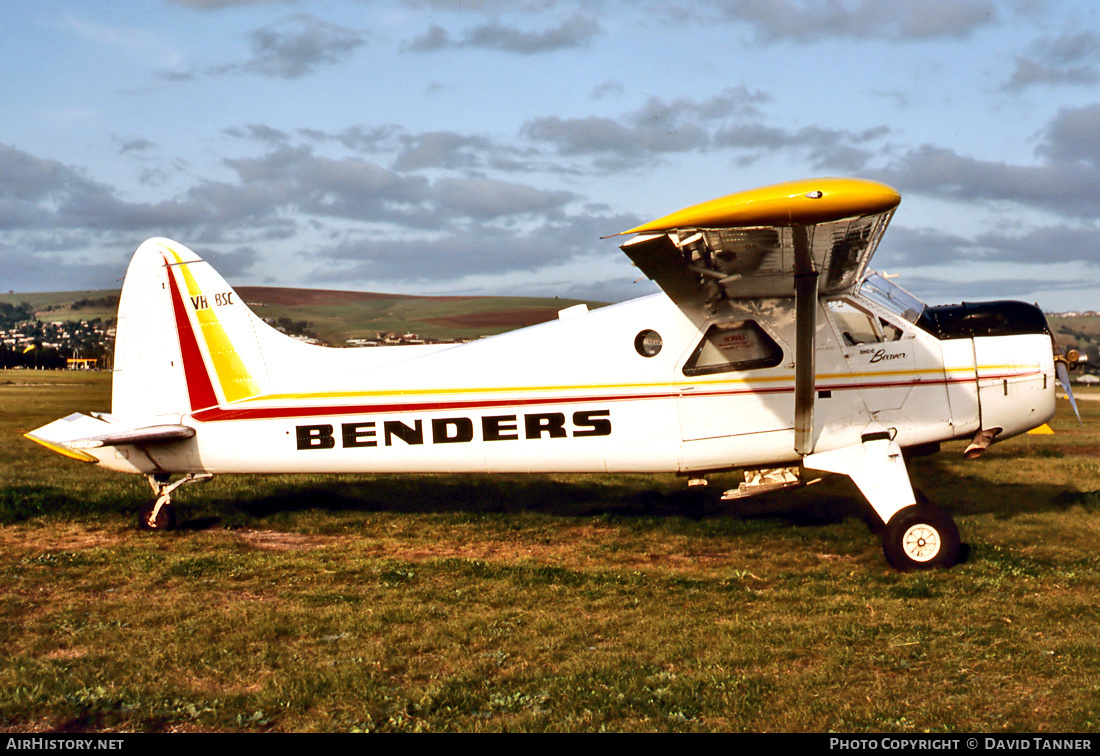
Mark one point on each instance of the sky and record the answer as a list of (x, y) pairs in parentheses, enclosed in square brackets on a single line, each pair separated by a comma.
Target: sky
[(486, 146)]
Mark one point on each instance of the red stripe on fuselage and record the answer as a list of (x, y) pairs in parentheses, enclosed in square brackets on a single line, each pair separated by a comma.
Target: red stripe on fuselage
[(200, 390), (215, 414)]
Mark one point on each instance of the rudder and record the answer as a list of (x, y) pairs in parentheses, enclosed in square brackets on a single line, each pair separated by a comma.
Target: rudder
[(184, 340)]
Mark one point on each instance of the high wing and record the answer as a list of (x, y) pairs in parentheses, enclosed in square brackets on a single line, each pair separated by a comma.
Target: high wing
[(753, 244), (800, 239)]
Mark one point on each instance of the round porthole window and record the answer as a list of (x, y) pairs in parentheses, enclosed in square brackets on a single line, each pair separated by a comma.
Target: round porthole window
[(648, 343)]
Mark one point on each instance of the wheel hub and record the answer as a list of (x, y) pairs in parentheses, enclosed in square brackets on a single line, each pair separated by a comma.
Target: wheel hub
[(921, 543)]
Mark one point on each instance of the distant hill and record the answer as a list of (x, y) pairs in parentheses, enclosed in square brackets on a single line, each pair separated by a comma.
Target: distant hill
[(336, 316)]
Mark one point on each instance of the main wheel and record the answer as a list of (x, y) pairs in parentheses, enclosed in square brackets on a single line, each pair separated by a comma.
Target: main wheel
[(921, 537), (166, 517)]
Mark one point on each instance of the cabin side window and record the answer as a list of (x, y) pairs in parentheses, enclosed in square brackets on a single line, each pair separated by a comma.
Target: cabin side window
[(734, 346), (857, 326)]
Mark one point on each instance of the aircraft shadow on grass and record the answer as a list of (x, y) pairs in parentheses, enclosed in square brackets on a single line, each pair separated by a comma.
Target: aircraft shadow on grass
[(830, 500)]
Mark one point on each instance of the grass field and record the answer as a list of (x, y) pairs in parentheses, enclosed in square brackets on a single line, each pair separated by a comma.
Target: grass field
[(565, 603)]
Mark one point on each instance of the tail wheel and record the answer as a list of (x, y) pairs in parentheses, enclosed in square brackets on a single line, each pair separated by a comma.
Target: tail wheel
[(921, 537), (164, 520)]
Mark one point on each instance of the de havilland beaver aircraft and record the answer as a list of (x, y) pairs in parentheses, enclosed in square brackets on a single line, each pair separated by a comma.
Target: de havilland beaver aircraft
[(771, 349)]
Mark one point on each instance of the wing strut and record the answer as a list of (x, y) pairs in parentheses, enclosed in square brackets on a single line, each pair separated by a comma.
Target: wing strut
[(805, 308)]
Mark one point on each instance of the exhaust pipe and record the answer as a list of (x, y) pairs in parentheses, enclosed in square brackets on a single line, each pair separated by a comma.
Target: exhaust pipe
[(981, 441)]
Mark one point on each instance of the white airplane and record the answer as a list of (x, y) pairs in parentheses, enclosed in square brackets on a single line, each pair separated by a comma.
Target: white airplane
[(771, 349)]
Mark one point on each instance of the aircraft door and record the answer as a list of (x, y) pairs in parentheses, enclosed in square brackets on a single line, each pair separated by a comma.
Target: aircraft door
[(960, 370), (880, 354)]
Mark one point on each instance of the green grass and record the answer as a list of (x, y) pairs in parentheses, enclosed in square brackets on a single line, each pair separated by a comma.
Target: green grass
[(542, 603)]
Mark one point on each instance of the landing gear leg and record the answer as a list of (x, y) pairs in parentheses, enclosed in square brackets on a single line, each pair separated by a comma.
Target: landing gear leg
[(918, 535), (159, 514)]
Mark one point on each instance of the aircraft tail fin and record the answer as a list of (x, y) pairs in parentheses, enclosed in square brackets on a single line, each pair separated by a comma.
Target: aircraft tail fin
[(184, 341)]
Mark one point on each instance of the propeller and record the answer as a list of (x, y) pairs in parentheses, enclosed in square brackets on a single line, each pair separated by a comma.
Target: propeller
[(1063, 363)]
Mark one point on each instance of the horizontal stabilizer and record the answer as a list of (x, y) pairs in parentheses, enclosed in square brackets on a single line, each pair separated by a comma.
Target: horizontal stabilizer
[(73, 434), (154, 434)]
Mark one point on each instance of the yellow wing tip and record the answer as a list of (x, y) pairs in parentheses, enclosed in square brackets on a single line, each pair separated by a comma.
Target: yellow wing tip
[(61, 449), (801, 202)]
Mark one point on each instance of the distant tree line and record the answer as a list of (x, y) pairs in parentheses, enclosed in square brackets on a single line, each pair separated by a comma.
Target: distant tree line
[(11, 314), (110, 301), (293, 327)]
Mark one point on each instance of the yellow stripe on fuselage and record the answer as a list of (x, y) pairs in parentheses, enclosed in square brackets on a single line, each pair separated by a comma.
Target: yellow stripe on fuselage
[(938, 373)]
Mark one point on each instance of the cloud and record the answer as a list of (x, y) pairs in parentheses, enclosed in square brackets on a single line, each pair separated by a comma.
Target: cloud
[(487, 250), (259, 133), (484, 199), (290, 48), (137, 145), (206, 5), (832, 149), (441, 149), (297, 46), (1029, 73), (42, 193), (25, 271), (1069, 189), (730, 121), (1074, 135), (963, 287), (357, 189), (231, 264), (933, 247), (576, 31), (658, 127), (1067, 59), (808, 21), (594, 135), (908, 247)]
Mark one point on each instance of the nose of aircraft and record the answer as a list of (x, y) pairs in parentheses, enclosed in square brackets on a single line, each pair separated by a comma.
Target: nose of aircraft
[(1015, 361)]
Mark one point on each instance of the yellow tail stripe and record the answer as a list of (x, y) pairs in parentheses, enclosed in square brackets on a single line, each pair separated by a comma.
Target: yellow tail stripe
[(233, 377)]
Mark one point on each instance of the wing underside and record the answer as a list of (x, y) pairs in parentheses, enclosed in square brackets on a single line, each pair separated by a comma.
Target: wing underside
[(800, 240), (702, 266)]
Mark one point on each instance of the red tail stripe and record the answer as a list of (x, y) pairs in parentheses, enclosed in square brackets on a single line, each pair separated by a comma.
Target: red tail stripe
[(200, 390)]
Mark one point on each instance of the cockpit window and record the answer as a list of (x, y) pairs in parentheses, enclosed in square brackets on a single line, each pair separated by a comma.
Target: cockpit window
[(887, 294), (734, 346), (857, 326)]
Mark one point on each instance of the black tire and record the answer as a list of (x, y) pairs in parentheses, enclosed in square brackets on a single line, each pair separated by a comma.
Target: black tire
[(921, 537), (166, 517)]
